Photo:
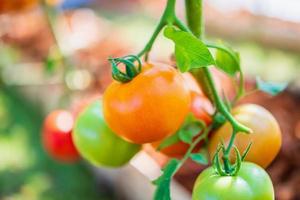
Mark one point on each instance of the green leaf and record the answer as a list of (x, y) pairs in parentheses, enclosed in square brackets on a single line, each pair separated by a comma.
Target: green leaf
[(173, 139), (185, 136), (270, 88), (190, 129), (187, 133), (200, 158), (176, 136), (190, 52), (163, 183), (227, 60)]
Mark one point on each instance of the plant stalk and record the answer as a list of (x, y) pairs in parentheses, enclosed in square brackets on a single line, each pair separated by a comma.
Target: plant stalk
[(168, 17), (193, 146), (203, 75), (194, 17)]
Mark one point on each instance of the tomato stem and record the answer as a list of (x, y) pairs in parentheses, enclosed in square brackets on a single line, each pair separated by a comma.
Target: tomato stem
[(203, 75), (193, 145), (194, 17), (168, 17), (150, 43), (241, 88)]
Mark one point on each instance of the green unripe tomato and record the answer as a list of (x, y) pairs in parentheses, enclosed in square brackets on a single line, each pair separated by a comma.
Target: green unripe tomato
[(251, 183), (97, 143)]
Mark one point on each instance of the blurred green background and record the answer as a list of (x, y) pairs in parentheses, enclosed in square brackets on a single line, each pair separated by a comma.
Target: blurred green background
[(26, 172)]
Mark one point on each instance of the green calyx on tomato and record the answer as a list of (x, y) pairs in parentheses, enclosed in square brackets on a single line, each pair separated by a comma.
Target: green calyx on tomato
[(251, 183), (229, 169), (97, 143), (266, 133), (130, 69)]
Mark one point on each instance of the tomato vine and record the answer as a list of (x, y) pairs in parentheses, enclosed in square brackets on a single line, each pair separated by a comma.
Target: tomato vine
[(193, 54), (201, 73)]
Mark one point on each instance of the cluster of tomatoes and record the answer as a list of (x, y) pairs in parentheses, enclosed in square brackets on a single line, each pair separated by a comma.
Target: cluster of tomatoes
[(152, 106)]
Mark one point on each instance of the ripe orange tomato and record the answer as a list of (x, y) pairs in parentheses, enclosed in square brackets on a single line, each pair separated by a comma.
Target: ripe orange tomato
[(266, 136), (150, 107), (57, 138), (200, 107)]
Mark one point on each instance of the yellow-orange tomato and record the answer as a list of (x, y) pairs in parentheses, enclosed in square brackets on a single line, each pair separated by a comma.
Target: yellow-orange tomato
[(201, 108), (150, 107), (266, 136), (16, 5)]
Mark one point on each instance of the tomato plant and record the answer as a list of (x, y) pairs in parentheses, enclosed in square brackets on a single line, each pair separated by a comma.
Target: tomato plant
[(153, 102), (265, 136), (149, 107), (145, 106), (97, 143), (251, 183), (57, 136), (201, 108)]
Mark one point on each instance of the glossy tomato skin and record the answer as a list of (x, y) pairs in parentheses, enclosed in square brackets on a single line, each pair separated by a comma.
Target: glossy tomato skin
[(97, 143), (201, 108), (57, 136), (251, 183), (150, 107), (266, 136)]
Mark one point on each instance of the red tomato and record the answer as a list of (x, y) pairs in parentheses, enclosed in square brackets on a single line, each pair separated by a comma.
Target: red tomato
[(56, 137)]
